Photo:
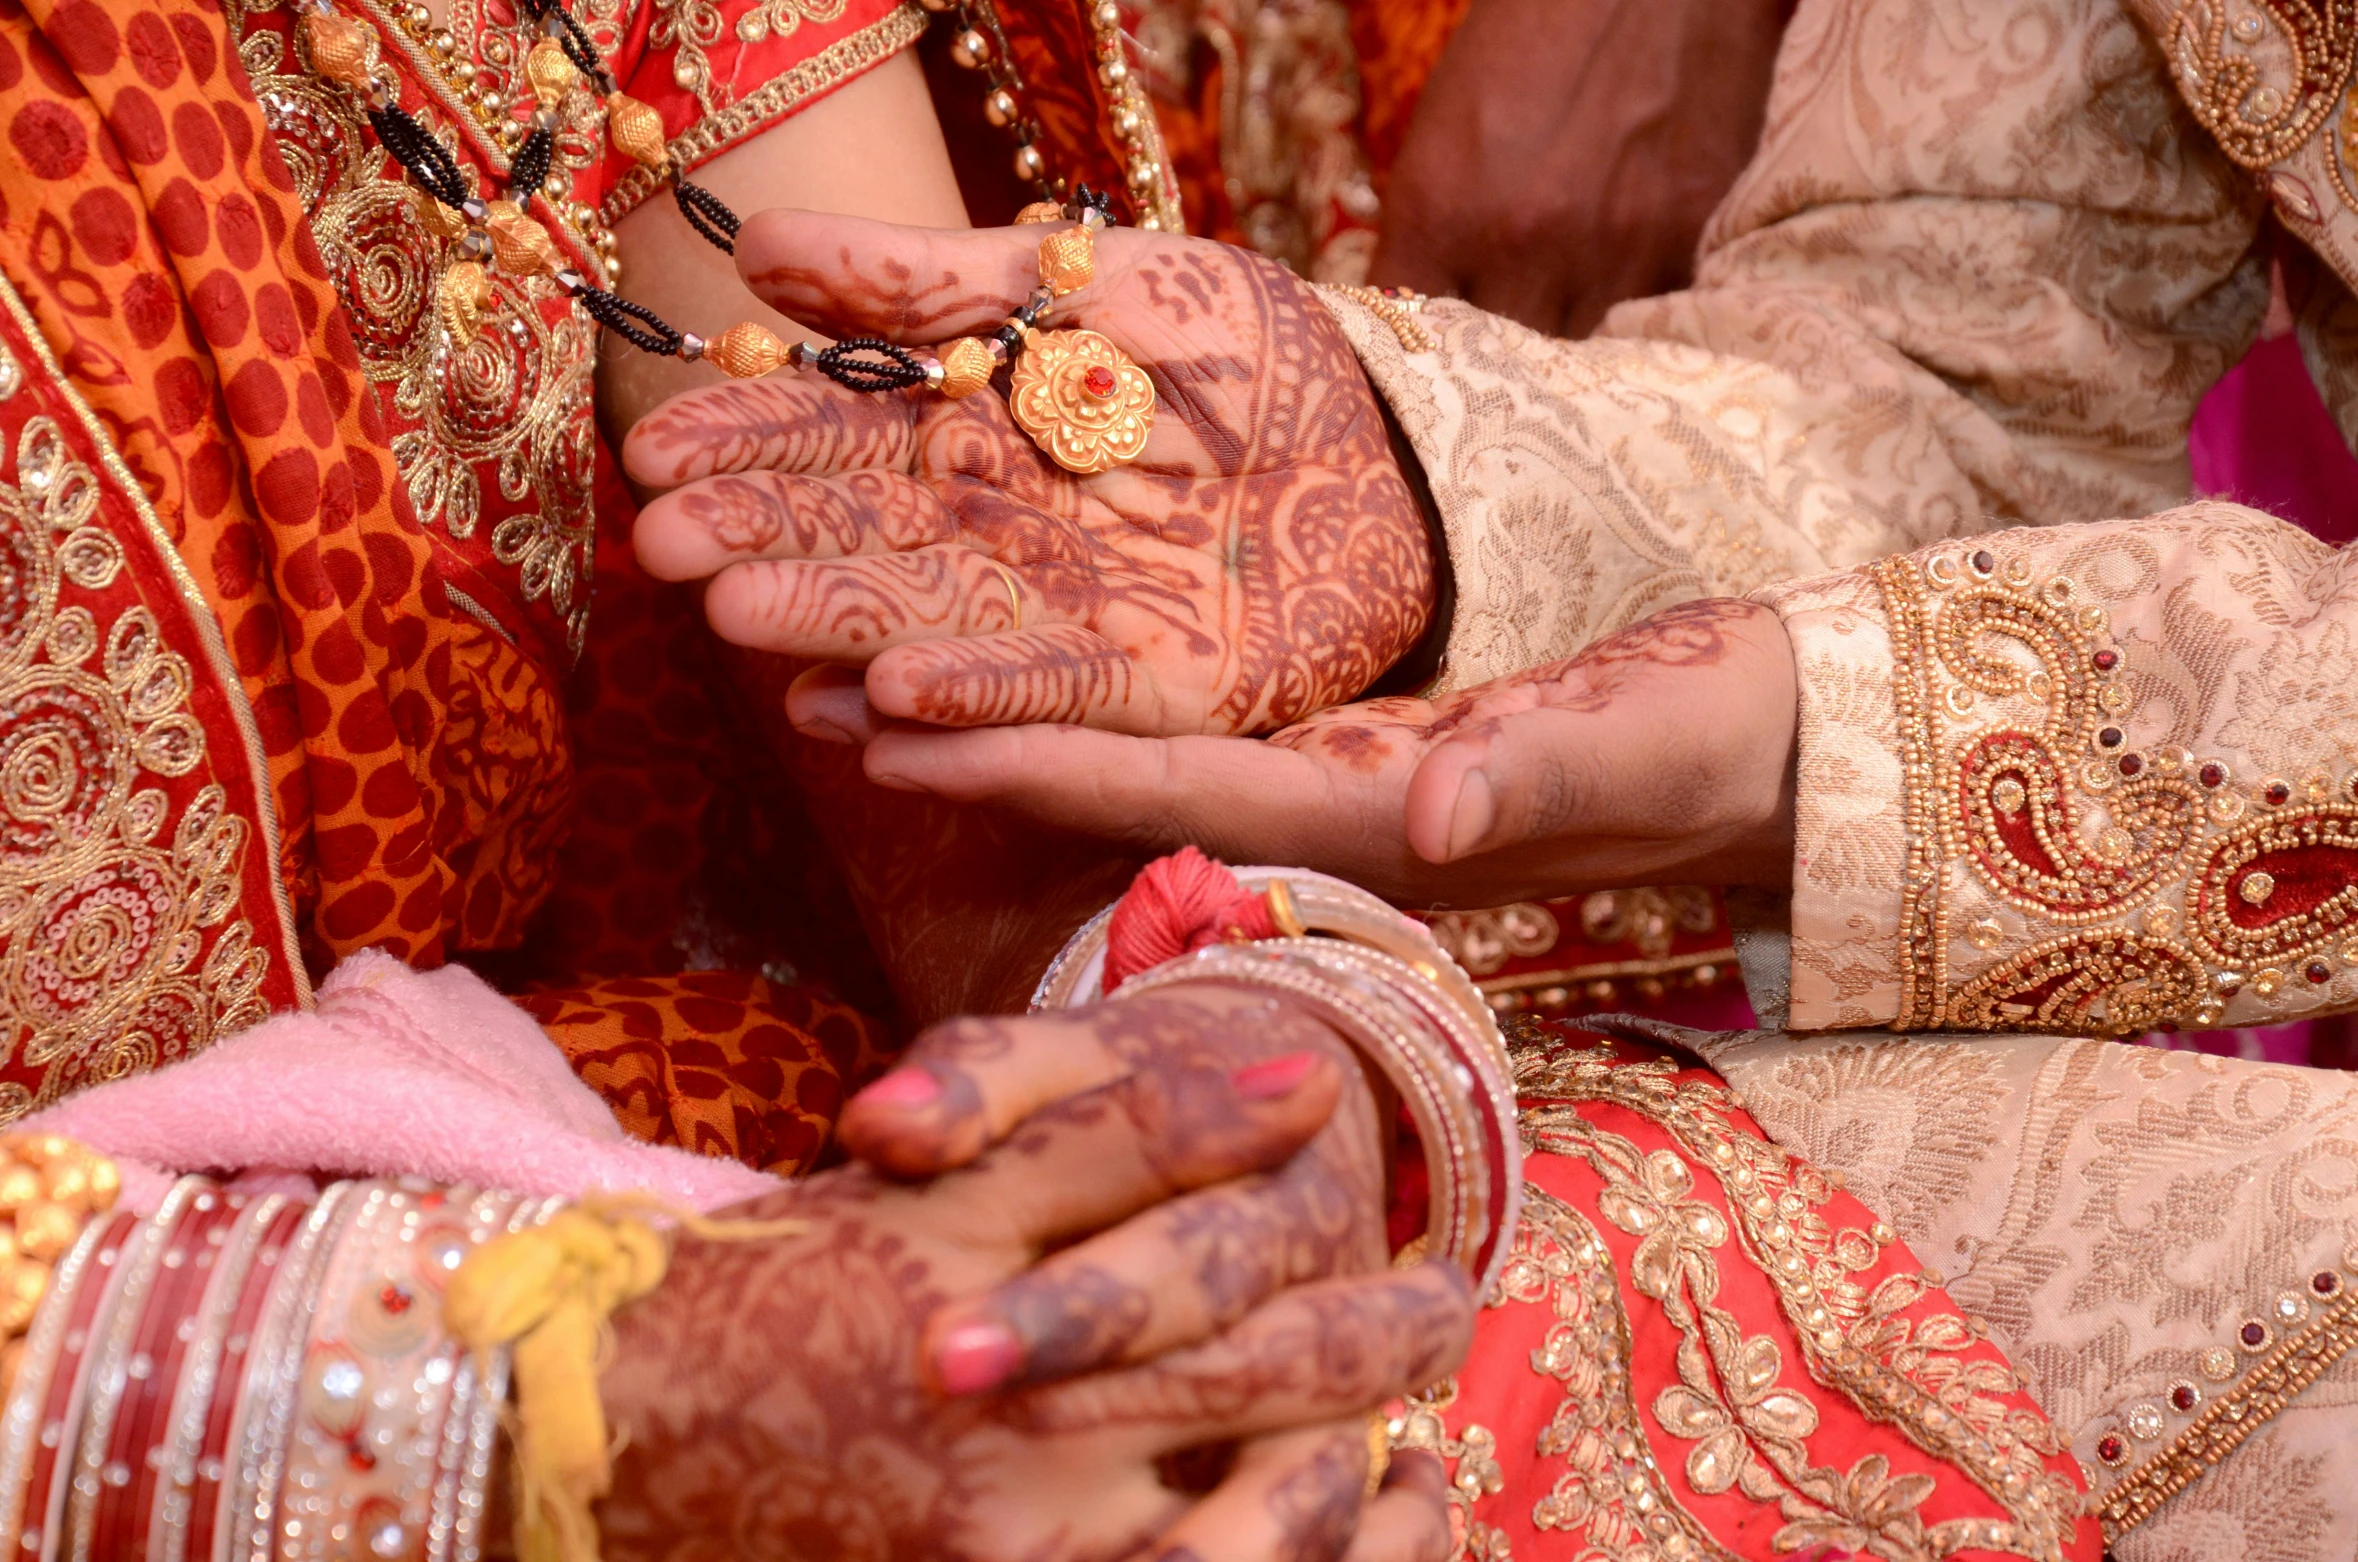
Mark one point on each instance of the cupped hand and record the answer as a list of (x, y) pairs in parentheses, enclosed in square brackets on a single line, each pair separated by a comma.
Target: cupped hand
[(1662, 753), (1566, 153), (1264, 558), (1150, 1227)]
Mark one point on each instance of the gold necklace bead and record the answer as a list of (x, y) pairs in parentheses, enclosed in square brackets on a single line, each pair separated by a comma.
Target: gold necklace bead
[(550, 71), (519, 246), (1068, 260), (636, 130), (343, 50), (745, 351), (966, 367)]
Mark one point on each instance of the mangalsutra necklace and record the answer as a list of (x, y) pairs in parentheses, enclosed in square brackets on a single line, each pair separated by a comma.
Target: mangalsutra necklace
[(1074, 392)]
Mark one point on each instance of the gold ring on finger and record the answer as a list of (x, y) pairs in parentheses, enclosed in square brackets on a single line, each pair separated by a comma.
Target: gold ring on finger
[(1014, 592)]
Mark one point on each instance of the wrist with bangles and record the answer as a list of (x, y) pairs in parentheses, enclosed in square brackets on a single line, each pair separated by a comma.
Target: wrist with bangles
[(279, 1376), (1386, 986)]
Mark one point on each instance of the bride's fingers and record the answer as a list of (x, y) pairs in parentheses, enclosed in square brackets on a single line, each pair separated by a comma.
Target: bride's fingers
[(850, 277), (707, 525), (1293, 1496), (830, 704), (1332, 1348), (1241, 799), (963, 1085), (848, 610), (1409, 1519), (1087, 1163), (788, 422), (1181, 1272), (1059, 673)]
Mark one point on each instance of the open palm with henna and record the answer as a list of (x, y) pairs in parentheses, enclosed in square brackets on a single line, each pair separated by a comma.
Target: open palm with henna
[(1662, 753), (1262, 559)]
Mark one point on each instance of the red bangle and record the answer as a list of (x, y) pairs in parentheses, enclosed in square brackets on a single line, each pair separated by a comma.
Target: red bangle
[(90, 1281), (204, 1491), (159, 1350)]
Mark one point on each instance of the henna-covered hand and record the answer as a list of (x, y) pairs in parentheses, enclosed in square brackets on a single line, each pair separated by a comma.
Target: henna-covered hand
[(1661, 753), (1262, 560), (896, 1380)]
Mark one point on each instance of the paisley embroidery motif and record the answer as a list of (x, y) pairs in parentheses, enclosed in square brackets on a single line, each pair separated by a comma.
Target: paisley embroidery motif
[(2085, 983), (2280, 888), (2264, 76), (2020, 768)]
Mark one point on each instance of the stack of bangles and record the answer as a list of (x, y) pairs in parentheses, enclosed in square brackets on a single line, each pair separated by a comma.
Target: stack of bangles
[(1386, 985), (260, 1376)]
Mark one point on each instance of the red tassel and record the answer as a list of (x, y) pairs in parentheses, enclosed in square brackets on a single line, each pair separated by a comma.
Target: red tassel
[(1176, 904)]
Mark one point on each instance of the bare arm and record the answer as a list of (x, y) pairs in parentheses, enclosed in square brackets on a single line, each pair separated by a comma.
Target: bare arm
[(871, 149)]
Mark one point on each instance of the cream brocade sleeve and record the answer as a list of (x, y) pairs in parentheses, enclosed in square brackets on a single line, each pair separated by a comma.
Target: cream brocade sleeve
[(1979, 274), (2083, 778)]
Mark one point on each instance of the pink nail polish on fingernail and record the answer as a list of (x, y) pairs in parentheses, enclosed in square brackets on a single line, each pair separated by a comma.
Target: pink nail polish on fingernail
[(1275, 1078), (974, 1357), (904, 1087)]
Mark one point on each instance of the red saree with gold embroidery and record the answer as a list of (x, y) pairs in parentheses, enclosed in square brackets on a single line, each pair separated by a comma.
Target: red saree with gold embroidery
[(297, 587)]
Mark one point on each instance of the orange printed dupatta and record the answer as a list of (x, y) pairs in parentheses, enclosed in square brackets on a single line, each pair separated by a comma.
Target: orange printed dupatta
[(288, 605)]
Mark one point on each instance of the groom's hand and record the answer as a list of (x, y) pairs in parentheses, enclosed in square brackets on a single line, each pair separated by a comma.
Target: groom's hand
[(1263, 559), (1663, 753)]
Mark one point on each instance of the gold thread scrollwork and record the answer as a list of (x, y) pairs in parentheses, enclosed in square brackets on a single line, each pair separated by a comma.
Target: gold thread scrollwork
[(1749, 1432), (109, 959)]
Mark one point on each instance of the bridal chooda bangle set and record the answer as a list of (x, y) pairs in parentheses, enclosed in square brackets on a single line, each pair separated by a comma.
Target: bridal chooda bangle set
[(1074, 392)]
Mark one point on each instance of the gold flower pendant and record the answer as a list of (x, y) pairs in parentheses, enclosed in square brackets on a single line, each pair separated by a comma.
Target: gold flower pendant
[(1081, 399)]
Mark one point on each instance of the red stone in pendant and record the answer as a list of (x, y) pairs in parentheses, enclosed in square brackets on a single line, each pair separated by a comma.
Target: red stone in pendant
[(1099, 381), (2110, 1449), (2106, 661), (2184, 1397)]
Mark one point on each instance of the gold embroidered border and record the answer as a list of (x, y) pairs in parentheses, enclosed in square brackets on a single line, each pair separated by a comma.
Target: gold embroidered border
[(841, 60), (1911, 1377), (2231, 1418), (200, 611), (1606, 970), (2113, 887), (1923, 936), (1612, 1496)]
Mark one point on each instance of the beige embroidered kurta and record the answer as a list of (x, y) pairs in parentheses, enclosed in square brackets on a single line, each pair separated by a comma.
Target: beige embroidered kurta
[(2057, 772), (1990, 256)]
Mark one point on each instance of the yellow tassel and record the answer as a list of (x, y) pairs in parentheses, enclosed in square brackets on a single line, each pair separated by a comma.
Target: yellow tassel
[(549, 1293)]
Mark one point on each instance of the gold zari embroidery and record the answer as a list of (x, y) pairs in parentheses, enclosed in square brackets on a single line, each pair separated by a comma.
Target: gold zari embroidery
[(2026, 793), (724, 126), (513, 402), (104, 915), (1749, 1433), (2231, 1418), (689, 27), (2264, 76)]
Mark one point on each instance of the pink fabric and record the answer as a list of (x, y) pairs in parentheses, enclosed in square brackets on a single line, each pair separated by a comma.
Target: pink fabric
[(2263, 438), (395, 1073)]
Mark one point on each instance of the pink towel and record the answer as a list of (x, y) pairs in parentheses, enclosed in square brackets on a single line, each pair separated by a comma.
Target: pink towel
[(395, 1073)]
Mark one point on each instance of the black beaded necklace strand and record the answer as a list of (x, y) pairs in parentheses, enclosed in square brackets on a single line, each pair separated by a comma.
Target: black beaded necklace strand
[(346, 51)]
